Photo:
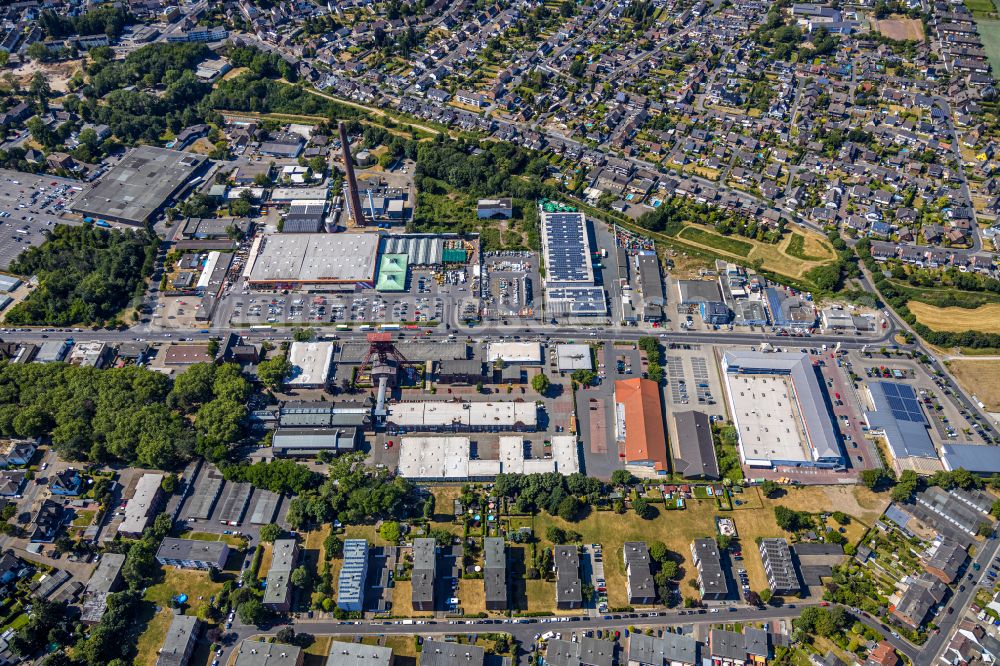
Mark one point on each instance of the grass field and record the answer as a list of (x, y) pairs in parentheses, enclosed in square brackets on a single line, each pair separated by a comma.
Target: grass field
[(985, 318), (811, 249), (723, 243), (981, 378), (195, 584), (989, 31), (232, 540), (982, 8), (677, 529)]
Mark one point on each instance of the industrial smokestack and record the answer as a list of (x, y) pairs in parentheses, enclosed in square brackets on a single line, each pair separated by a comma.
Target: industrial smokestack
[(354, 201)]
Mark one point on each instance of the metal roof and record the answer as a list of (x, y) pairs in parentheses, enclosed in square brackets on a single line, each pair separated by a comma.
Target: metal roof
[(566, 247), (897, 414)]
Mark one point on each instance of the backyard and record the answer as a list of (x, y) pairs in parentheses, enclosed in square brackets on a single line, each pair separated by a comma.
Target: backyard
[(198, 588)]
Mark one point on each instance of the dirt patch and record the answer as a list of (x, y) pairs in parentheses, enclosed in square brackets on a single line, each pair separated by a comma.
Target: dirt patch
[(981, 379), (58, 73), (900, 29)]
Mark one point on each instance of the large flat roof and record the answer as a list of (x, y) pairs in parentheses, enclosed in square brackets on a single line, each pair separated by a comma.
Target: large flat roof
[(978, 458), (138, 186), (514, 352), (463, 415), (801, 400), (639, 421), (566, 248), (315, 259), (311, 363)]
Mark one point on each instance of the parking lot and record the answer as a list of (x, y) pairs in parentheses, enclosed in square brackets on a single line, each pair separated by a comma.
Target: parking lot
[(29, 206), (509, 283)]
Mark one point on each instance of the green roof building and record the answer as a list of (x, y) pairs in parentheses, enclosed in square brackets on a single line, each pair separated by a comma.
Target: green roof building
[(392, 273)]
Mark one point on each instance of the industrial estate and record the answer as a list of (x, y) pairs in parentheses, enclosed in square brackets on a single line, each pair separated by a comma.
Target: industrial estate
[(569, 333)]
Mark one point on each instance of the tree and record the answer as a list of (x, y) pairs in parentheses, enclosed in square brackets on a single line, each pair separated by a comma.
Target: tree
[(429, 506), (270, 533), (641, 507), (252, 612), (555, 534), (621, 477), (765, 596), (670, 569), (658, 551), (840, 517), (169, 483), (540, 383), (791, 521), (877, 479), (300, 577), (272, 372), (333, 546), (569, 508), (390, 531), (984, 529), (285, 635), (723, 541), (769, 488)]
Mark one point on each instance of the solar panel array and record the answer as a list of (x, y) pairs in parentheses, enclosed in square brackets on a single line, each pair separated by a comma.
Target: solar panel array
[(903, 402), (578, 300), (566, 245)]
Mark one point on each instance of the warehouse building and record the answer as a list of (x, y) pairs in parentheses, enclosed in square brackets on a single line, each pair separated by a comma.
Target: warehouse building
[(353, 572), (694, 448), (392, 271), (896, 415), (639, 424), (139, 186), (311, 363), (572, 357), (315, 261), (450, 458), (696, 292), (462, 417), (781, 410), (520, 353), (570, 286), (495, 209)]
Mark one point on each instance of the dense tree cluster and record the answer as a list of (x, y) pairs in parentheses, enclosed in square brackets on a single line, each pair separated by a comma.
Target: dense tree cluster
[(353, 493), (558, 495), (279, 476), (85, 275), (110, 20), (791, 520), (114, 415)]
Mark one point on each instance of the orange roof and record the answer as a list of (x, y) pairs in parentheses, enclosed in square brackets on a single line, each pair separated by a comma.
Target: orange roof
[(884, 654), (645, 440)]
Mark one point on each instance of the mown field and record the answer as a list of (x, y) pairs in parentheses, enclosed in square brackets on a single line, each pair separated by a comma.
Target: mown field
[(985, 318), (981, 378)]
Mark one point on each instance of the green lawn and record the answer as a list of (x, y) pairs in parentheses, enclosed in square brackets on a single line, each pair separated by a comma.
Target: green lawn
[(723, 243), (83, 518), (797, 248), (989, 31), (981, 8), (233, 540), (195, 584)]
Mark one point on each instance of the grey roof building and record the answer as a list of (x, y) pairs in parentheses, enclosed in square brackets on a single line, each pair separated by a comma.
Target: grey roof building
[(900, 419), (180, 641), (955, 514), (358, 654), (569, 589), (641, 588), (278, 593), (779, 567), (192, 553), (105, 580), (946, 560), (310, 441), (351, 583), (694, 455), (587, 652), (670, 649), (259, 653), (727, 647), (138, 186), (495, 573), (711, 578), (437, 653), (923, 594), (424, 574), (756, 643)]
